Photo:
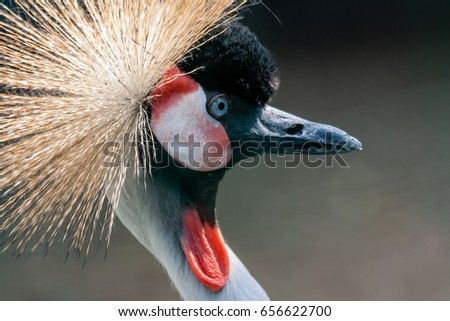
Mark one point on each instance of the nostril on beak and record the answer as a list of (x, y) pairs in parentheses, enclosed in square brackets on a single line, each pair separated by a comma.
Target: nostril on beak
[(295, 129)]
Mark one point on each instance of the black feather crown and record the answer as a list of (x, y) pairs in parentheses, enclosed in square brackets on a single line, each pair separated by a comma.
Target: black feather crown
[(236, 63)]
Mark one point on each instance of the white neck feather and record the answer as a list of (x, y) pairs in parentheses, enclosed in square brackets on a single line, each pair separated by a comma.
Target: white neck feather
[(140, 210)]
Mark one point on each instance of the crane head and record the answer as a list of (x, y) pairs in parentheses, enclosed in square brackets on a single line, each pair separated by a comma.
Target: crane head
[(211, 111)]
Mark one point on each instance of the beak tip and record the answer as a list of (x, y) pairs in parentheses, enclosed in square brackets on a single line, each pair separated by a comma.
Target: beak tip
[(354, 144)]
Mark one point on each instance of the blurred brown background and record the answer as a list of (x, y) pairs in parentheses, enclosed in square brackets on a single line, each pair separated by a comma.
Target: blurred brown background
[(378, 230)]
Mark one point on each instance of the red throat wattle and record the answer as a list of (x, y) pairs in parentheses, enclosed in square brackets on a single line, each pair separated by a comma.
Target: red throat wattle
[(205, 251)]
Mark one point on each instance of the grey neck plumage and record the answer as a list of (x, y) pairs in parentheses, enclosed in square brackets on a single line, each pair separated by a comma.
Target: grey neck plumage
[(152, 214)]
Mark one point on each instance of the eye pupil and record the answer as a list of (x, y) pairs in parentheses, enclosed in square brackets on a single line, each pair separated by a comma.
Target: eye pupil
[(221, 106)]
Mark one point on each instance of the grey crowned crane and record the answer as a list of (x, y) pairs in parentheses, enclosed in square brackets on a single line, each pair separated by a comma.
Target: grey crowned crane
[(191, 94)]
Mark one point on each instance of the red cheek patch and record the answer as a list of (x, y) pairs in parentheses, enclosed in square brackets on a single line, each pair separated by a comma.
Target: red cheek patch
[(205, 251), (182, 125)]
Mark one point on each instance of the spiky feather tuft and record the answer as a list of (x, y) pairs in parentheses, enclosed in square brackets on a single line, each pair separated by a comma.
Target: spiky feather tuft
[(75, 75)]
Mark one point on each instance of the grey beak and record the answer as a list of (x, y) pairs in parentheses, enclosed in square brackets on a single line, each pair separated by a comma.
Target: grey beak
[(292, 134)]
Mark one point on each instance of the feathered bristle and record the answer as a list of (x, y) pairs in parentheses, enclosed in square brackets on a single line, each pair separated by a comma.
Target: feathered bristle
[(76, 75)]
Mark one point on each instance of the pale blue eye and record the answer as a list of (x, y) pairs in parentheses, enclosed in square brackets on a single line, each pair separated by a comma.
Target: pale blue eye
[(218, 106)]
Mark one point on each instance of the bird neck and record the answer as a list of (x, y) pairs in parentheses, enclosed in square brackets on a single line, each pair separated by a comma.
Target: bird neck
[(152, 209)]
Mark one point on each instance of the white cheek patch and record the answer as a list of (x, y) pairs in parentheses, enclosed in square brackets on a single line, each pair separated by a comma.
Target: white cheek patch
[(189, 134)]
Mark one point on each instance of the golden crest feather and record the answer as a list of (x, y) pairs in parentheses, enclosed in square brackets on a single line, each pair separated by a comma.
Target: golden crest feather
[(73, 76)]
